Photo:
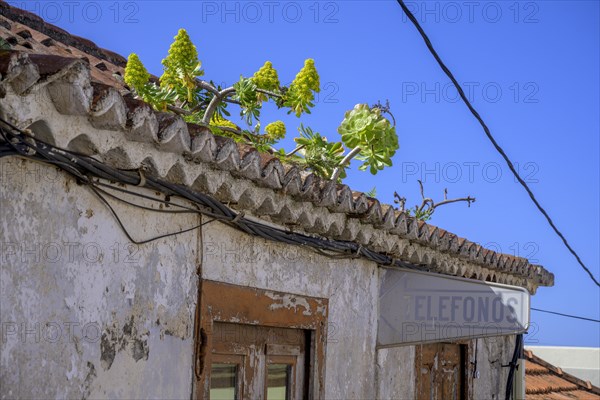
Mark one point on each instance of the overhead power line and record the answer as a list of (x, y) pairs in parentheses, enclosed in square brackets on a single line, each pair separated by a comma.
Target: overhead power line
[(566, 315), (412, 18)]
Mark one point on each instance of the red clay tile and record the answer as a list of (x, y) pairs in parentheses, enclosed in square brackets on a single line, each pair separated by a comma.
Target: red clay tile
[(544, 381)]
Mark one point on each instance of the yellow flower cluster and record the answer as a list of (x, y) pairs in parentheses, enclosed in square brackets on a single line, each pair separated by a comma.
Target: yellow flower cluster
[(301, 93), (307, 80), (182, 59), (217, 121), (136, 75), (276, 130), (266, 77)]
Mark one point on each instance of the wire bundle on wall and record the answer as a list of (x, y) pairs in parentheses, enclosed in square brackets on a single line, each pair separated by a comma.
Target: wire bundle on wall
[(89, 172)]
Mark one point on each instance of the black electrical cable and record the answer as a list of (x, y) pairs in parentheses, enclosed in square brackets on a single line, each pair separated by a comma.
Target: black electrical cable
[(513, 366), (499, 149), (87, 171), (129, 236), (474, 362), (104, 192), (566, 315)]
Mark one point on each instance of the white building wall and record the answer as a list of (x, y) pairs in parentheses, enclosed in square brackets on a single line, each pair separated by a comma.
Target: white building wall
[(84, 312), (492, 354), (396, 373), (87, 314)]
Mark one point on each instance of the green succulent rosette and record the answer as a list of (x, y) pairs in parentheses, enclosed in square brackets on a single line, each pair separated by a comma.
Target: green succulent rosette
[(366, 128)]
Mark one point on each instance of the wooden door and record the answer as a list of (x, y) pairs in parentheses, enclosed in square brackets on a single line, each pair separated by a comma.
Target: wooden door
[(440, 370)]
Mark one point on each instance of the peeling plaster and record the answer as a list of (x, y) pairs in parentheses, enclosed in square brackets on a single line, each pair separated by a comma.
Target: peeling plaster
[(288, 301), (106, 318)]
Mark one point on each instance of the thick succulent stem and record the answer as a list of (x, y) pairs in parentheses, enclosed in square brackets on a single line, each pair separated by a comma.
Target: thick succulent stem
[(268, 92), (297, 149), (214, 102), (338, 170), (207, 86), (178, 110)]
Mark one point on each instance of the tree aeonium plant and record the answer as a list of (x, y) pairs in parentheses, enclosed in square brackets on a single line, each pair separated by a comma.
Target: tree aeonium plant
[(365, 133)]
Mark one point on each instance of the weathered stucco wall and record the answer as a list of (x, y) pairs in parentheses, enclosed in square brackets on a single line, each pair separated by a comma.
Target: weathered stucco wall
[(92, 315), (84, 312), (396, 373), (350, 285), (492, 353)]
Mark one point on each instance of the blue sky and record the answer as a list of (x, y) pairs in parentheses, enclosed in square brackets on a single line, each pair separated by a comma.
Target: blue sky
[(531, 69)]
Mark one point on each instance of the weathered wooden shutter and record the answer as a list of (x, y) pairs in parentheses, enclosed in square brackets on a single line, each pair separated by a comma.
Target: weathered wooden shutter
[(441, 371)]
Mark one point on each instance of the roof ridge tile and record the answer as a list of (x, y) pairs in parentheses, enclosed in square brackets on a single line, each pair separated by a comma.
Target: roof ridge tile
[(173, 135)]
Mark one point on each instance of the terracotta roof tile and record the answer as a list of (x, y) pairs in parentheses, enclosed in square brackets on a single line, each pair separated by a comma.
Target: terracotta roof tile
[(548, 383), (575, 394), (535, 369), (77, 69), (544, 381), (27, 32), (21, 20)]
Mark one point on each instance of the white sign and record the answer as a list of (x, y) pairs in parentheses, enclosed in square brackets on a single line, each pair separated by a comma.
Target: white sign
[(420, 307)]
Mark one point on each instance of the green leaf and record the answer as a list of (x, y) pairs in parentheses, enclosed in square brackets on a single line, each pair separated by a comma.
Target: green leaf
[(321, 156)]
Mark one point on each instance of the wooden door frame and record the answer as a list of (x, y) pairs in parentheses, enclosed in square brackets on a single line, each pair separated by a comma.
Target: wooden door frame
[(467, 365), (223, 302)]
